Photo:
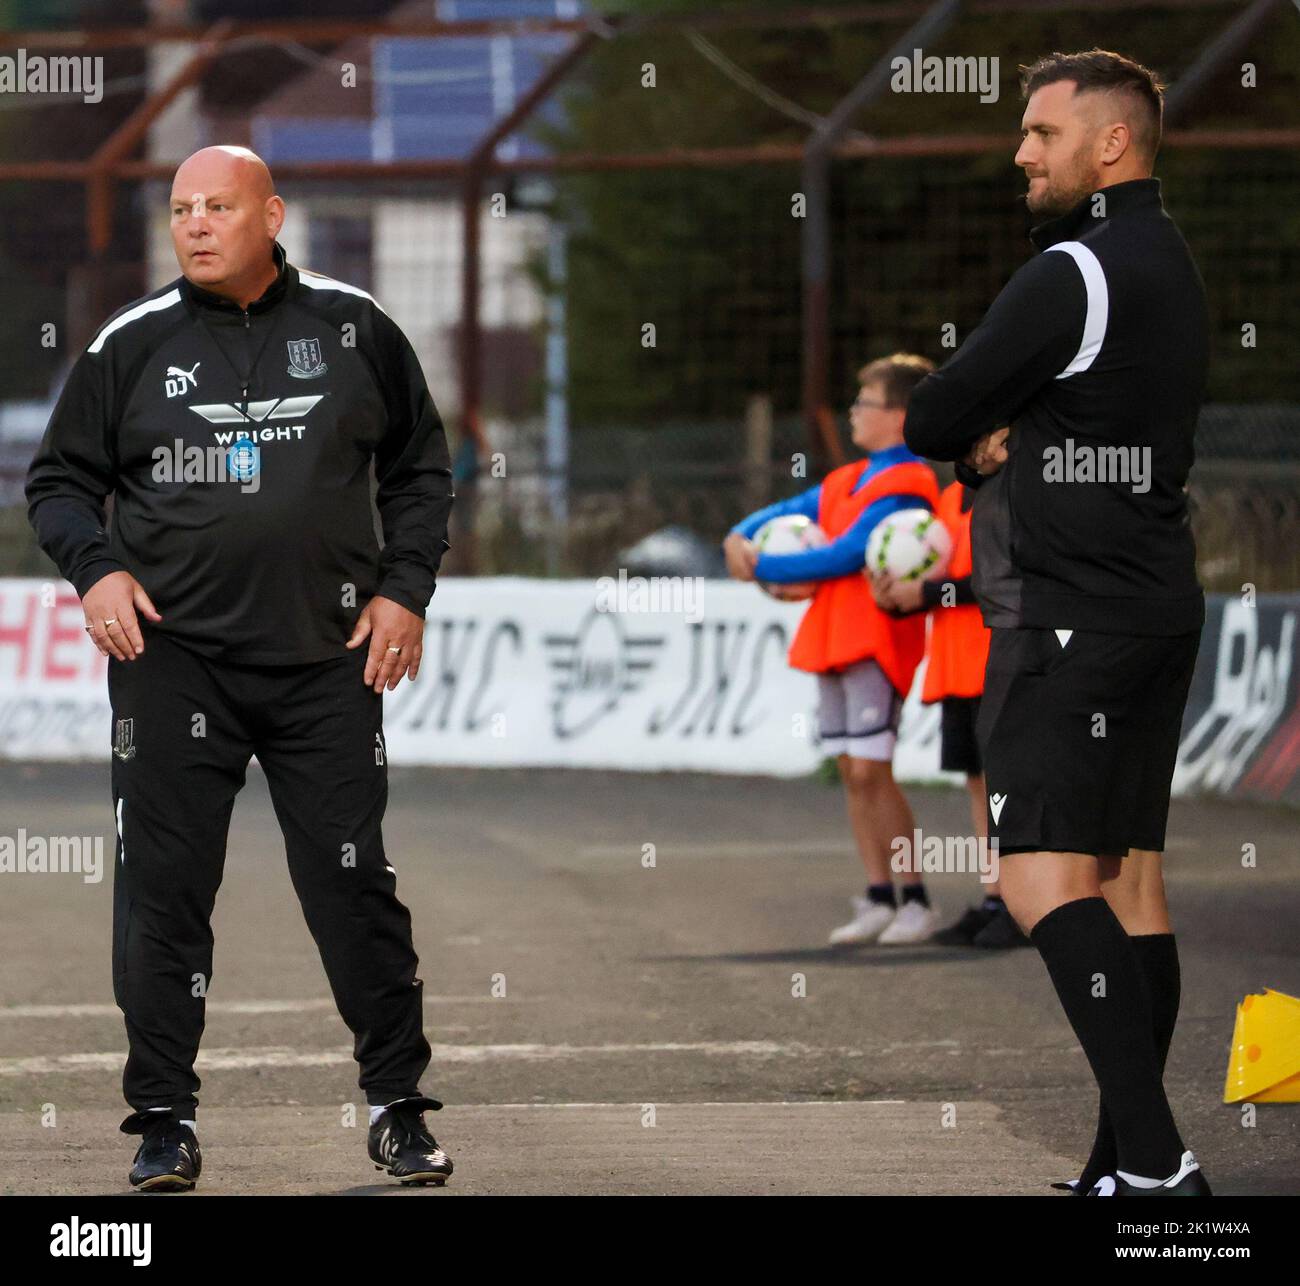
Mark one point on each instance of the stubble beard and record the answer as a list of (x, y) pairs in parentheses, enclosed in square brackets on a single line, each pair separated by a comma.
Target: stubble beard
[(1063, 194)]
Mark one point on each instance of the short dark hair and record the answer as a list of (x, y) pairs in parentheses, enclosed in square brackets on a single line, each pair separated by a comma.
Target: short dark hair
[(1100, 70), (898, 374)]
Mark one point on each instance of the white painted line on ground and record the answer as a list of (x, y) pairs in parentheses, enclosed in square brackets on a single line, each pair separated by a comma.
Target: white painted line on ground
[(722, 848), (691, 1102), (283, 1056), (226, 1007)]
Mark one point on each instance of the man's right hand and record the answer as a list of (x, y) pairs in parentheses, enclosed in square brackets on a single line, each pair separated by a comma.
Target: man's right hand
[(110, 607), (989, 453), (741, 556)]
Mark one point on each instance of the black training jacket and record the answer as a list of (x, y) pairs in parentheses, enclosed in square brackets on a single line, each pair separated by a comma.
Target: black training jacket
[(1095, 354), (237, 445)]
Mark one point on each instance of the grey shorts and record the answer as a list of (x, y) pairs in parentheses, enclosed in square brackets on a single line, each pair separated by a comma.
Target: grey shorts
[(858, 710)]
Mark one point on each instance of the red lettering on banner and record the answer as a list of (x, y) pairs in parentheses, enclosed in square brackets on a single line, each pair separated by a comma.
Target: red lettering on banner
[(67, 627), (20, 636), (39, 645)]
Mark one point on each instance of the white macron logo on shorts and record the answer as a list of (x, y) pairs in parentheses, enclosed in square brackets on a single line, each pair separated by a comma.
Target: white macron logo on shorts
[(995, 806)]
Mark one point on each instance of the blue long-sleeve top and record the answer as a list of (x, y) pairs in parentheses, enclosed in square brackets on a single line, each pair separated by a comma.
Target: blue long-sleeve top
[(845, 554)]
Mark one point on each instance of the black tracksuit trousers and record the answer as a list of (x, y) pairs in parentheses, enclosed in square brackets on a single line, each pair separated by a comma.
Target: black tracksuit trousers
[(317, 732)]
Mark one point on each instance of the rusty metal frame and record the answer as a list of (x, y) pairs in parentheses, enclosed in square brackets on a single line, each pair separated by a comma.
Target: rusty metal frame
[(111, 163), (667, 159), (316, 31), (1214, 55), (470, 358), (102, 168), (815, 232), (474, 171)]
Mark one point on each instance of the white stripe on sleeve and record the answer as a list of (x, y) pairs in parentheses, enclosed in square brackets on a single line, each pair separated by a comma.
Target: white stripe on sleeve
[(134, 314), (1094, 324)]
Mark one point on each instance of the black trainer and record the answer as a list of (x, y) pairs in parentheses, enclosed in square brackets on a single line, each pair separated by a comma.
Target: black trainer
[(400, 1143), (962, 934), (168, 1158), (1000, 933), (1188, 1182)]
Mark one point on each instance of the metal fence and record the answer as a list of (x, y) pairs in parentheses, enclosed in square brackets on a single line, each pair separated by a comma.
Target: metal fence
[(619, 342)]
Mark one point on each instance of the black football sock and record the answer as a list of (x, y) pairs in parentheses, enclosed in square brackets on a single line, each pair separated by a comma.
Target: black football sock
[(1095, 970), (915, 893), (881, 894), (1157, 954)]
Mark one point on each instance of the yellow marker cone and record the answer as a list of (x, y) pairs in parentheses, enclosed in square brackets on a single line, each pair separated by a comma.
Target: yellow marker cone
[(1264, 1063)]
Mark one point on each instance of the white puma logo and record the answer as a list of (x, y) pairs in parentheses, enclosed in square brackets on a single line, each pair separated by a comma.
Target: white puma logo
[(179, 381), (995, 806)]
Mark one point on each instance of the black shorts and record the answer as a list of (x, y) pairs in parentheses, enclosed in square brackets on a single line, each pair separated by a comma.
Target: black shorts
[(958, 747), (1079, 733)]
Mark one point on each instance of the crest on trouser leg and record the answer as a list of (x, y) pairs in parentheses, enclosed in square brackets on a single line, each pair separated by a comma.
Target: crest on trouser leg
[(124, 739)]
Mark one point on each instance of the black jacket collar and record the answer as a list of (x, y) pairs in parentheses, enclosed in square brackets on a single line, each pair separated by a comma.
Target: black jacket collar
[(286, 275), (1121, 198)]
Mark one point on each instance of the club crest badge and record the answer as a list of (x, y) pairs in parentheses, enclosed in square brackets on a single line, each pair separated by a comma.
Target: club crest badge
[(124, 739), (305, 360)]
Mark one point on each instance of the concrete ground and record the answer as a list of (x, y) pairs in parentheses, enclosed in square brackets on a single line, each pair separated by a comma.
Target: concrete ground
[(652, 1036)]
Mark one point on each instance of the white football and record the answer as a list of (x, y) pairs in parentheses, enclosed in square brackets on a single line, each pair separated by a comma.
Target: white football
[(910, 545), (789, 534)]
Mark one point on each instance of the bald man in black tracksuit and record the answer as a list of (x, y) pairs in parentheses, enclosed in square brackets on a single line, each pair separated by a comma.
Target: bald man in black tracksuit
[(237, 438), (1095, 354)]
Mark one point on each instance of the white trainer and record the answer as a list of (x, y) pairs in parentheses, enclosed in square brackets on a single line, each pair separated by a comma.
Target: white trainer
[(869, 919), (913, 923)]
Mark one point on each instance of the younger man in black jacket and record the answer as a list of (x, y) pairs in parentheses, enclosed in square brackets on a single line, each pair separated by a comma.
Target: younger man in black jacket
[(1094, 354)]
